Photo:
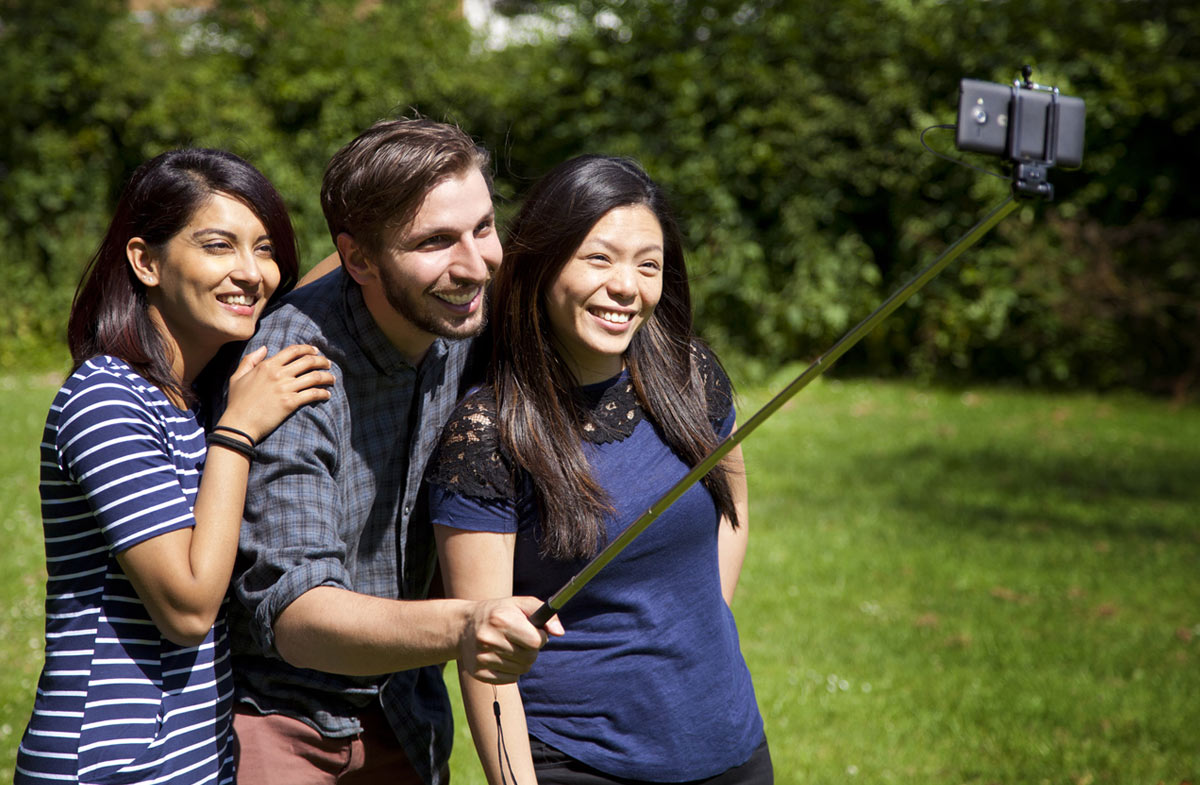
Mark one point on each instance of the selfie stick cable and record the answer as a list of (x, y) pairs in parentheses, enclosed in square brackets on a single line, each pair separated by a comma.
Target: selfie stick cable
[(563, 595)]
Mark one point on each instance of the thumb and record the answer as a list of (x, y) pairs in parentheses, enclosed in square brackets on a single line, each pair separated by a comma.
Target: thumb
[(249, 361), (554, 627), (530, 606)]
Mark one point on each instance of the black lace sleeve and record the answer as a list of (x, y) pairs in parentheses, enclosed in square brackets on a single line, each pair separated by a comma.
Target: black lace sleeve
[(718, 391), (469, 460)]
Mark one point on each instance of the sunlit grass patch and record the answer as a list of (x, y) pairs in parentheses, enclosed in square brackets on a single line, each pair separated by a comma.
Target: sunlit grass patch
[(943, 586), (974, 586)]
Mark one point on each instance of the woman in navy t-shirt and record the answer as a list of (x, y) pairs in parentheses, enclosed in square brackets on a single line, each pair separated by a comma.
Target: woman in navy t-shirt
[(598, 399), (136, 685)]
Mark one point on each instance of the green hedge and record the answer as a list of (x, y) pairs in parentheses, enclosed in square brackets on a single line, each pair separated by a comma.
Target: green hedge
[(787, 133)]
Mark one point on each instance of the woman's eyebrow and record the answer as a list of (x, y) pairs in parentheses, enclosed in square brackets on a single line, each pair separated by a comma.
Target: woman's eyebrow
[(613, 247)]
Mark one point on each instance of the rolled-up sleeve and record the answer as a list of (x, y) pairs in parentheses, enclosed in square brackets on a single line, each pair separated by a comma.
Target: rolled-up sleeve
[(291, 540), (334, 499)]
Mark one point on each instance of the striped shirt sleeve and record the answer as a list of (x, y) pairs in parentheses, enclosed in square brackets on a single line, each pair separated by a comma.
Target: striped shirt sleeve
[(125, 460)]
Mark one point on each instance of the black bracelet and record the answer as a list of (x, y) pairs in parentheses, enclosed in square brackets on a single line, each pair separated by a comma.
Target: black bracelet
[(247, 436), (237, 445)]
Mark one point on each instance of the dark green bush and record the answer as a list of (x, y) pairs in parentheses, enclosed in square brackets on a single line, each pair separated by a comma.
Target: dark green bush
[(787, 133)]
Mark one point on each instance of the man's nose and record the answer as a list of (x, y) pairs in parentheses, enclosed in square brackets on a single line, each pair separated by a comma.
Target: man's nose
[(470, 261)]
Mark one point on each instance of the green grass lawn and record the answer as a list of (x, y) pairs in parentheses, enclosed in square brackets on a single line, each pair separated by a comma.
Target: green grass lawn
[(981, 586)]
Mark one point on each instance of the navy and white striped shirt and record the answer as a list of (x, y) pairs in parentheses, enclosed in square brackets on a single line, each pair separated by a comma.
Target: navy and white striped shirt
[(117, 702)]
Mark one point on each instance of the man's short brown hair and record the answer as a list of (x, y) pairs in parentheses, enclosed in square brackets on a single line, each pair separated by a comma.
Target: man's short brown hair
[(379, 181)]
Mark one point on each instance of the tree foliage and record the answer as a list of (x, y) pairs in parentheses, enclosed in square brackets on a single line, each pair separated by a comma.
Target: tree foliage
[(787, 132), (91, 90)]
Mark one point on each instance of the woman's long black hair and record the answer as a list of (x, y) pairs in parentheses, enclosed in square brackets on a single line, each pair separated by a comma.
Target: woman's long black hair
[(541, 413), (109, 313)]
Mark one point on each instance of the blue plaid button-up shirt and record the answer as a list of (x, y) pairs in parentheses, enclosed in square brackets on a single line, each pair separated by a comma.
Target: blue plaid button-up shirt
[(334, 499)]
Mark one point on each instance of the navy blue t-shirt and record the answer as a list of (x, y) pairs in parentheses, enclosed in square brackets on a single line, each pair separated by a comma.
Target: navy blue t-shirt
[(649, 682)]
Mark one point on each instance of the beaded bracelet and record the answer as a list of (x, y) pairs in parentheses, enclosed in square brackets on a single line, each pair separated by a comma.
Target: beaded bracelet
[(237, 445), (243, 434)]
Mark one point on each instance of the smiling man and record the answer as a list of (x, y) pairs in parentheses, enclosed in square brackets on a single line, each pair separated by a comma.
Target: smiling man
[(334, 648)]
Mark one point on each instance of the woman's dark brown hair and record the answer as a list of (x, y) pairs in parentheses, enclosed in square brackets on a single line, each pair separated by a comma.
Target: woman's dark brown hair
[(109, 313), (541, 412)]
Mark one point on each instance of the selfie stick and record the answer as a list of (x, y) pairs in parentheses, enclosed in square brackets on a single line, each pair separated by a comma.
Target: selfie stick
[(563, 595)]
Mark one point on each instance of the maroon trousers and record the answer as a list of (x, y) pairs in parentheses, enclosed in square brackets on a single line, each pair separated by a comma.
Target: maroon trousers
[(272, 748)]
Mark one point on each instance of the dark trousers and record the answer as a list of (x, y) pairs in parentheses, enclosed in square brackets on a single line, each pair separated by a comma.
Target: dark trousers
[(557, 768)]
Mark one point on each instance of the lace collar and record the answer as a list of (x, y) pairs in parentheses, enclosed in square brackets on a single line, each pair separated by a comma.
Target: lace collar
[(613, 409)]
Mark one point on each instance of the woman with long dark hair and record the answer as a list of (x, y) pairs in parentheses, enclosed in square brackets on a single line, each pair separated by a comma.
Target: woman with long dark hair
[(597, 400), (136, 685)]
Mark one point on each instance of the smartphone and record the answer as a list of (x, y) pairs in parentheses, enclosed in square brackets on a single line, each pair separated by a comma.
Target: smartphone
[(986, 109)]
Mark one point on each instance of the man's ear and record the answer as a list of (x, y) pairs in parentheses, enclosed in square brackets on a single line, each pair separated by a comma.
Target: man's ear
[(357, 263), (144, 263)]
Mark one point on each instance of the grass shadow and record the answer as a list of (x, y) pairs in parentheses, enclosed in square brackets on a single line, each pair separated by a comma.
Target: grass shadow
[(1147, 496)]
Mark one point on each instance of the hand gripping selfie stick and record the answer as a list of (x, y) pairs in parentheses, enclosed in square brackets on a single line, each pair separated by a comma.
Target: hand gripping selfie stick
[(1023, 165)]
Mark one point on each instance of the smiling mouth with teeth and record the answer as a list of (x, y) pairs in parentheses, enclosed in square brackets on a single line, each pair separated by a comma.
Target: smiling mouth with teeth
[(615, 317), (458, 298), (238, 299)]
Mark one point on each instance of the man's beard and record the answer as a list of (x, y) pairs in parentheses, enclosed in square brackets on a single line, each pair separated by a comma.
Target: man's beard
[(422, 315)]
